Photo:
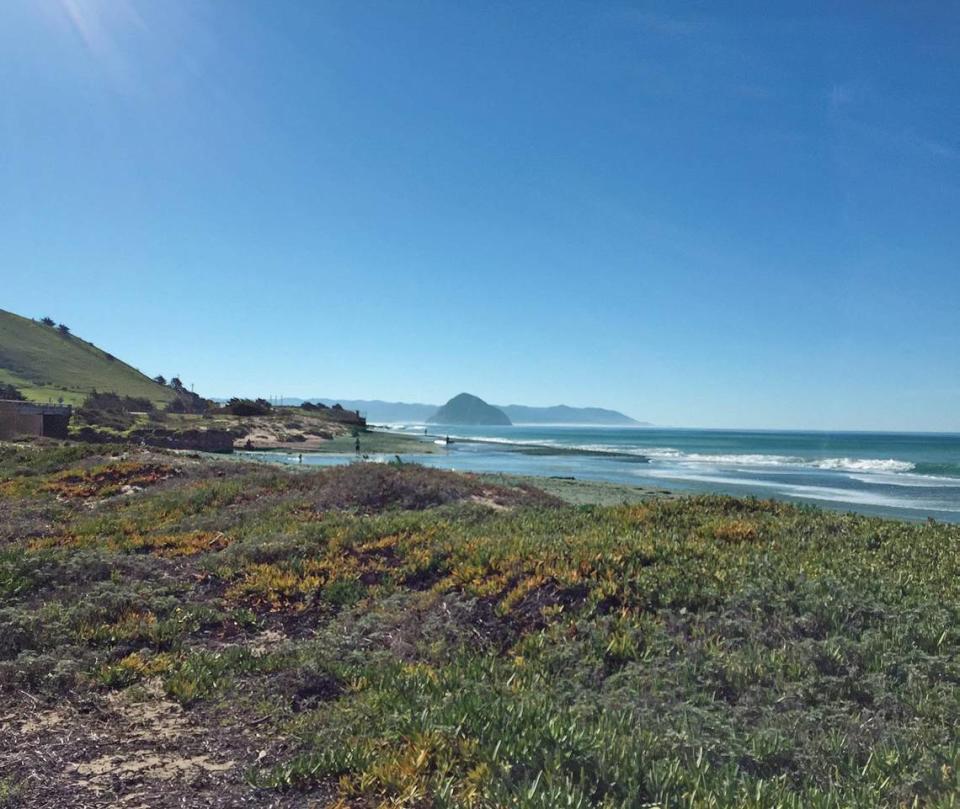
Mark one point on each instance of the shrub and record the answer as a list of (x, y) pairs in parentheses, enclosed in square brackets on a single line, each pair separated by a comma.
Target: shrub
[(9, 792), (189, 402), (10, 392), (247, 407), (111, 410), (375, 487)]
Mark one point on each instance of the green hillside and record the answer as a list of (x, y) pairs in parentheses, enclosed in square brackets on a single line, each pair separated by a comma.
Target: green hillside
[(45, 364)]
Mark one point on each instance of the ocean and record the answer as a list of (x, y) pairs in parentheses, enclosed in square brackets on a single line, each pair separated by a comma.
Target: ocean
[(908, 475)]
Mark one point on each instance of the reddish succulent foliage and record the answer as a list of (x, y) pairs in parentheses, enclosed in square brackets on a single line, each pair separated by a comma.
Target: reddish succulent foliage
[(110, 479)]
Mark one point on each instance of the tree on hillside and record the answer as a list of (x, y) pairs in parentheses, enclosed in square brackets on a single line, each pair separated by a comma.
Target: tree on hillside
[(10, 392), (160, 379), (244, 407), (112, 410), (189, 402), (63, 329), (47, 321), (176, 384)]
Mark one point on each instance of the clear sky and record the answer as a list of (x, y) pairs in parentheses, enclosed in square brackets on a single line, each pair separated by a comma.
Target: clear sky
[(702, 216)]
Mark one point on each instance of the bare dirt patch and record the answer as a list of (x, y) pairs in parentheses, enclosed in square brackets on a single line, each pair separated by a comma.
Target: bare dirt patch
[(133, 749)]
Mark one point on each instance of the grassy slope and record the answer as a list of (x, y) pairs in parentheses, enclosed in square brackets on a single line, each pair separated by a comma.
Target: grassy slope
[(394, 636), (45, 364)]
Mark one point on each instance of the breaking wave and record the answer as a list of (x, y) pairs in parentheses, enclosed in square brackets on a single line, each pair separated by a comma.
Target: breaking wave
[(721, 459)]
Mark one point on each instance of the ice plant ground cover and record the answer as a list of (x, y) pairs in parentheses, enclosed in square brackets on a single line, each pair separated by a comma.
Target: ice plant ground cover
[(177, 630)]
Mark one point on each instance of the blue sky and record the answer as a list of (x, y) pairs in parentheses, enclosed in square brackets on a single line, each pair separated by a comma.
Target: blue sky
[(746, 216)]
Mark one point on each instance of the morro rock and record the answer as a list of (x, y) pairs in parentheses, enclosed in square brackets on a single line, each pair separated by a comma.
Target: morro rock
[(466, 409)]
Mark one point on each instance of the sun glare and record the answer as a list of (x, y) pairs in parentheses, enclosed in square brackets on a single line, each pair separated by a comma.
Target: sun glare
[(99, 23)]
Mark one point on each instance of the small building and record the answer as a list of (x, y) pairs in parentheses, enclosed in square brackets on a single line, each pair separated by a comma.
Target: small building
[(19, 419)]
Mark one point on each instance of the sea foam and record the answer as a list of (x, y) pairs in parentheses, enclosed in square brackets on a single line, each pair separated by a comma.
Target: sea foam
[(757, 459), (862, 465)]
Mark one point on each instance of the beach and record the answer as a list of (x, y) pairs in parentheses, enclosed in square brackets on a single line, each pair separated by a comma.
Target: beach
[(906, 475)]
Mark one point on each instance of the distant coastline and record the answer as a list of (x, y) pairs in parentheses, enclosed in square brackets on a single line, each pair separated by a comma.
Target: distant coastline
[(378, 411)]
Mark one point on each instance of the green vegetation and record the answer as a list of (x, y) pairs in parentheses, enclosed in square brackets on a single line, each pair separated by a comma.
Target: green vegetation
[(46, 362), (191, 422), (10, 392), (580, 492), (247, 407), (8, 793), (389, 635)]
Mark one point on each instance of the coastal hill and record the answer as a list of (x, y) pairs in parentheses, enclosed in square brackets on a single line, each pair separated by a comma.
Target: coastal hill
[(562, 414), (378, 411), (466, 409), (47, 362)]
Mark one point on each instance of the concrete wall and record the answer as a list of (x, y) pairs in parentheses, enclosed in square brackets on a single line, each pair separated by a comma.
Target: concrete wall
[(28, 419), (10, 421)]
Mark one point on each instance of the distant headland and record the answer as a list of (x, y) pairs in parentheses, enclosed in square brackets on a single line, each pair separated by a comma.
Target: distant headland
[(467, 409), (378, 411)]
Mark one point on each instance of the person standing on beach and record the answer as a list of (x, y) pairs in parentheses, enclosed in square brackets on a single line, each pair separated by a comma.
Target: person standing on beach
[(357, 445)]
